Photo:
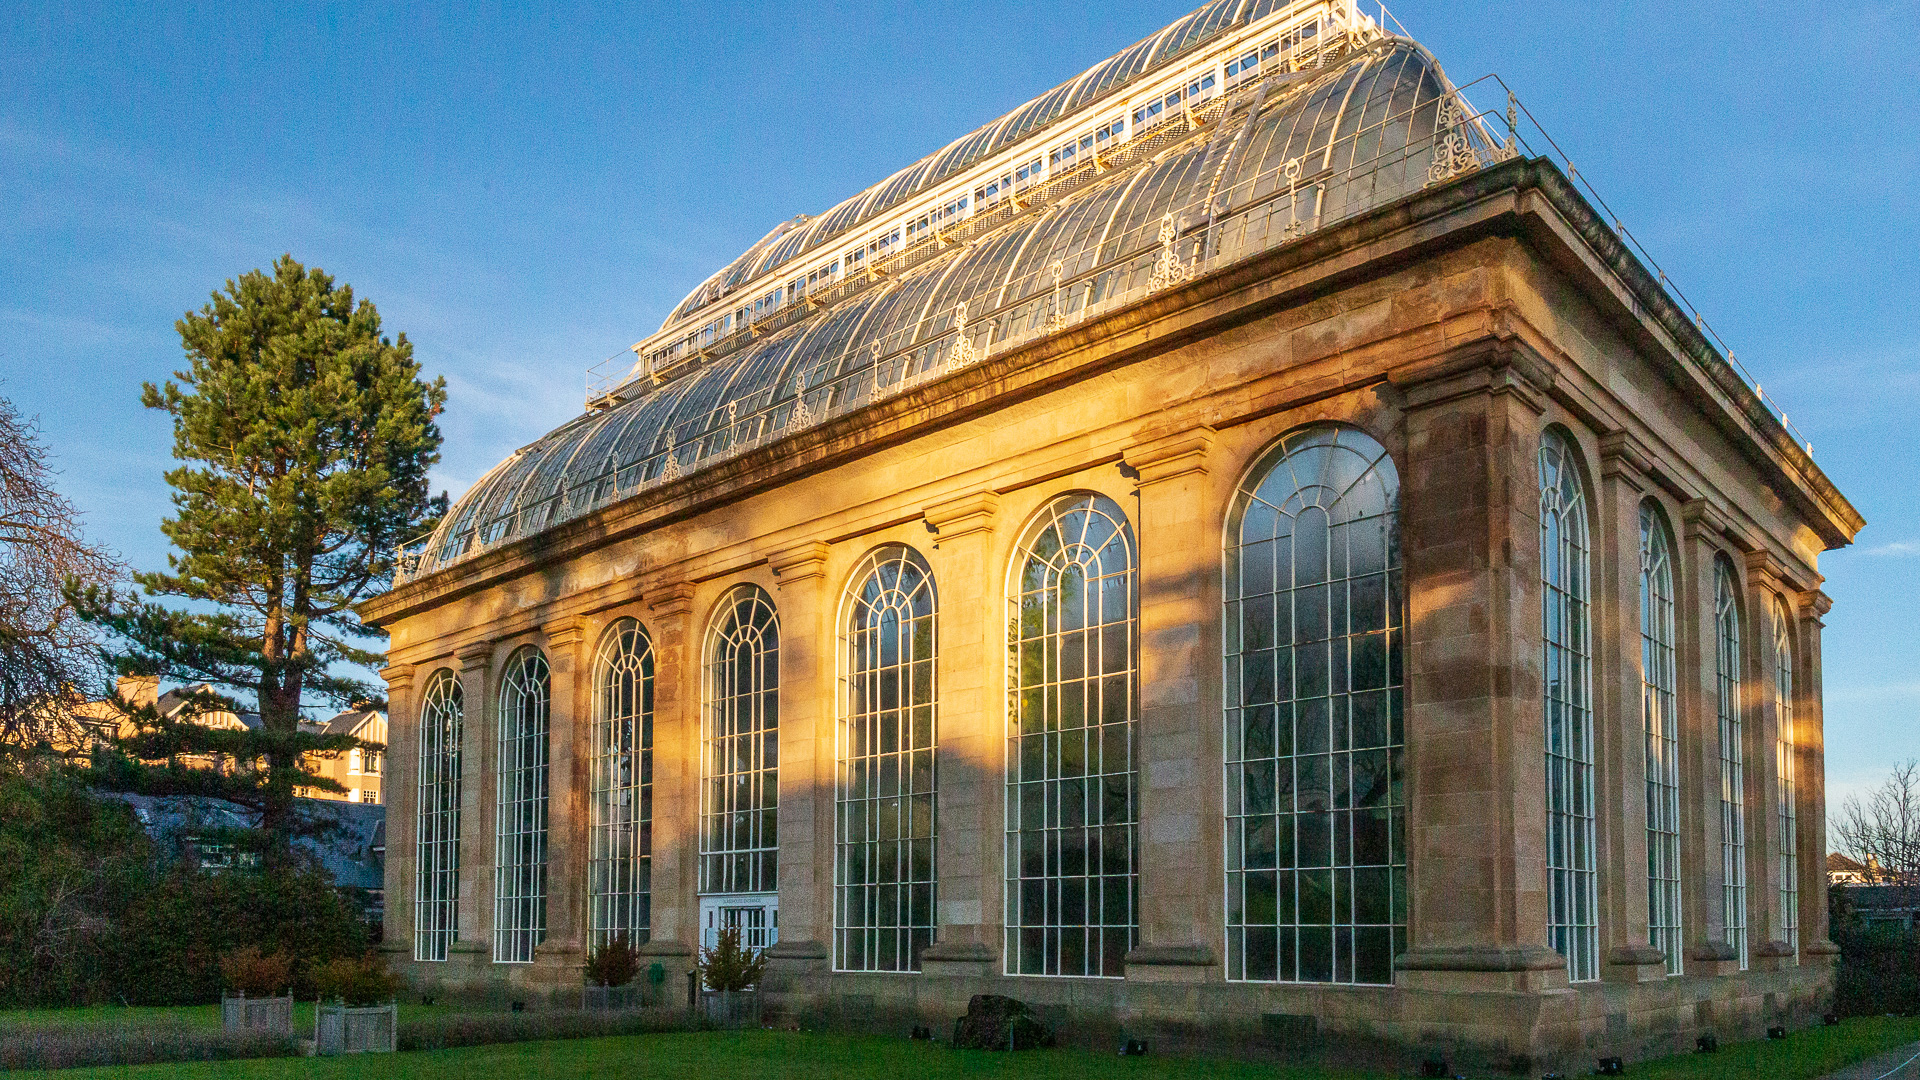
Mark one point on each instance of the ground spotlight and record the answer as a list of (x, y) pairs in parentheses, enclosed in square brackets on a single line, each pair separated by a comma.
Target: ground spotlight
[(1611, 1066), (1776, 1032), (1707, 1044), (1134, 1048), (921, 1033)]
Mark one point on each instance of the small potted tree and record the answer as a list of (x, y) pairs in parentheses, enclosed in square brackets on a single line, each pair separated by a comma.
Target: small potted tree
[(253, 978), (732, 973), (356, 1013), (610, 972)]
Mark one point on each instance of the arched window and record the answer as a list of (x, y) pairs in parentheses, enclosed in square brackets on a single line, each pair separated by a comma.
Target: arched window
[(1784, 769), (1314, 741), (884, 823), (1072, 795), (620, 865), (520, 859), (436, 879), (1733, 781), (1662, 725), (1573, 925), (740, 746)]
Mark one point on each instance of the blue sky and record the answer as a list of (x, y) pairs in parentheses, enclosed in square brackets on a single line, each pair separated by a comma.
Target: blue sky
[(527, 189)]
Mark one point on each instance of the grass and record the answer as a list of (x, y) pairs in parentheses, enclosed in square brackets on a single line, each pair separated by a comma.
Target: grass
[(762, 1055), (195, 1016), (206, 1017)]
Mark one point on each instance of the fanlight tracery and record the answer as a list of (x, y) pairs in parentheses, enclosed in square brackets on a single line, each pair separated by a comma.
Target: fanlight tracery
[(884, 814), (620, 861), (740, 746), (1315, 705), (1661, 725), (1733, 782), (520, 860), (1072, 791), (1572, 875), (436, 895)]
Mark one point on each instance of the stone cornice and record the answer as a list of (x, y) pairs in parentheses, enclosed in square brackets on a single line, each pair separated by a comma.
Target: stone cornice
[(1814, 605), (1170, 456), (964, 516), (397, 675)]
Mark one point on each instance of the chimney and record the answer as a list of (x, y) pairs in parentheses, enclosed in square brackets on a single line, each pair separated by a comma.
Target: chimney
[(138, 690)]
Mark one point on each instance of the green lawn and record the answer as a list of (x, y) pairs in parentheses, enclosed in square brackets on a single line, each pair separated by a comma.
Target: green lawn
[(199, 1016), (784, 1056)]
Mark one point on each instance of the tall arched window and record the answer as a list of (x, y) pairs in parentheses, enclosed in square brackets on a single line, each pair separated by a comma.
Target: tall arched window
[(884, 823), (436, 878), (620, 859), (1733, 781), (520, 853), (1315, 800), (1072, 801), (1662, 725), (1784, 768), (1573, 925), (740, 744)]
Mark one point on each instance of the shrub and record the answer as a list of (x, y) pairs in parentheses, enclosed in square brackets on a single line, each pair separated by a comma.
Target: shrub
[(729, 965), (257, 974), (484, 1029), (73, 1045), (1879, 971), (356, 981), (613, 964)]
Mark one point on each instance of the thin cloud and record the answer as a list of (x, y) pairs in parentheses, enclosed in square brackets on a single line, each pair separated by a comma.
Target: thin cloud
[(1899, 549)]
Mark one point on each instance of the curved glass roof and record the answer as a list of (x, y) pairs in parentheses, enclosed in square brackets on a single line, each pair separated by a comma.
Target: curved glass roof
[(1160, 50), (1352, 136)]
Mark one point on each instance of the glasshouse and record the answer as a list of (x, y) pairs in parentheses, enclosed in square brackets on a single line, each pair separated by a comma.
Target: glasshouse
[(1238, 546)]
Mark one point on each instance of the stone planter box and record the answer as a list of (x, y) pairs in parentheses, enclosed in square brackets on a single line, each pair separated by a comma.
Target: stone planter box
[(272, 1015), (731, 1008), (341, 1029)]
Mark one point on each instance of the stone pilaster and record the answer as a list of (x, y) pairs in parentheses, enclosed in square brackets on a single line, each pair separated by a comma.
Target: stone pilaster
[(479, 743), (1810, 743), (402, 794), (1178, 736), (1765, 918), (806, 755), (1476, 849), (1620, 741), (568, 743), (676, 777), (969, 851)]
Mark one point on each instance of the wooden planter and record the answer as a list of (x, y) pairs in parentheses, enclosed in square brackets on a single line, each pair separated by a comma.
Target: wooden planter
[(731, 1008), (341, 1029), (271, 1015)]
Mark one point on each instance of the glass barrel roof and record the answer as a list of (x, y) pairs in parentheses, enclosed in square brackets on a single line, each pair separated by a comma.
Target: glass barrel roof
[(1157, 51), (1354, 135)]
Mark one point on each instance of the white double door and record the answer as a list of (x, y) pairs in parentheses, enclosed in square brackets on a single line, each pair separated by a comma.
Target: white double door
[(755, 915)]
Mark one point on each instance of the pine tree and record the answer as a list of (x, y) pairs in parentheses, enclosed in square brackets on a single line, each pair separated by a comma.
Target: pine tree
[(306, 437)]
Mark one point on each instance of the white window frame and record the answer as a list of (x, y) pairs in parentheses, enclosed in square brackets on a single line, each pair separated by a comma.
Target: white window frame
[(436, 889), (620, 788), (520, 851), (886, 747), (1659, 709), (1573, 921), (1096, 661)]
